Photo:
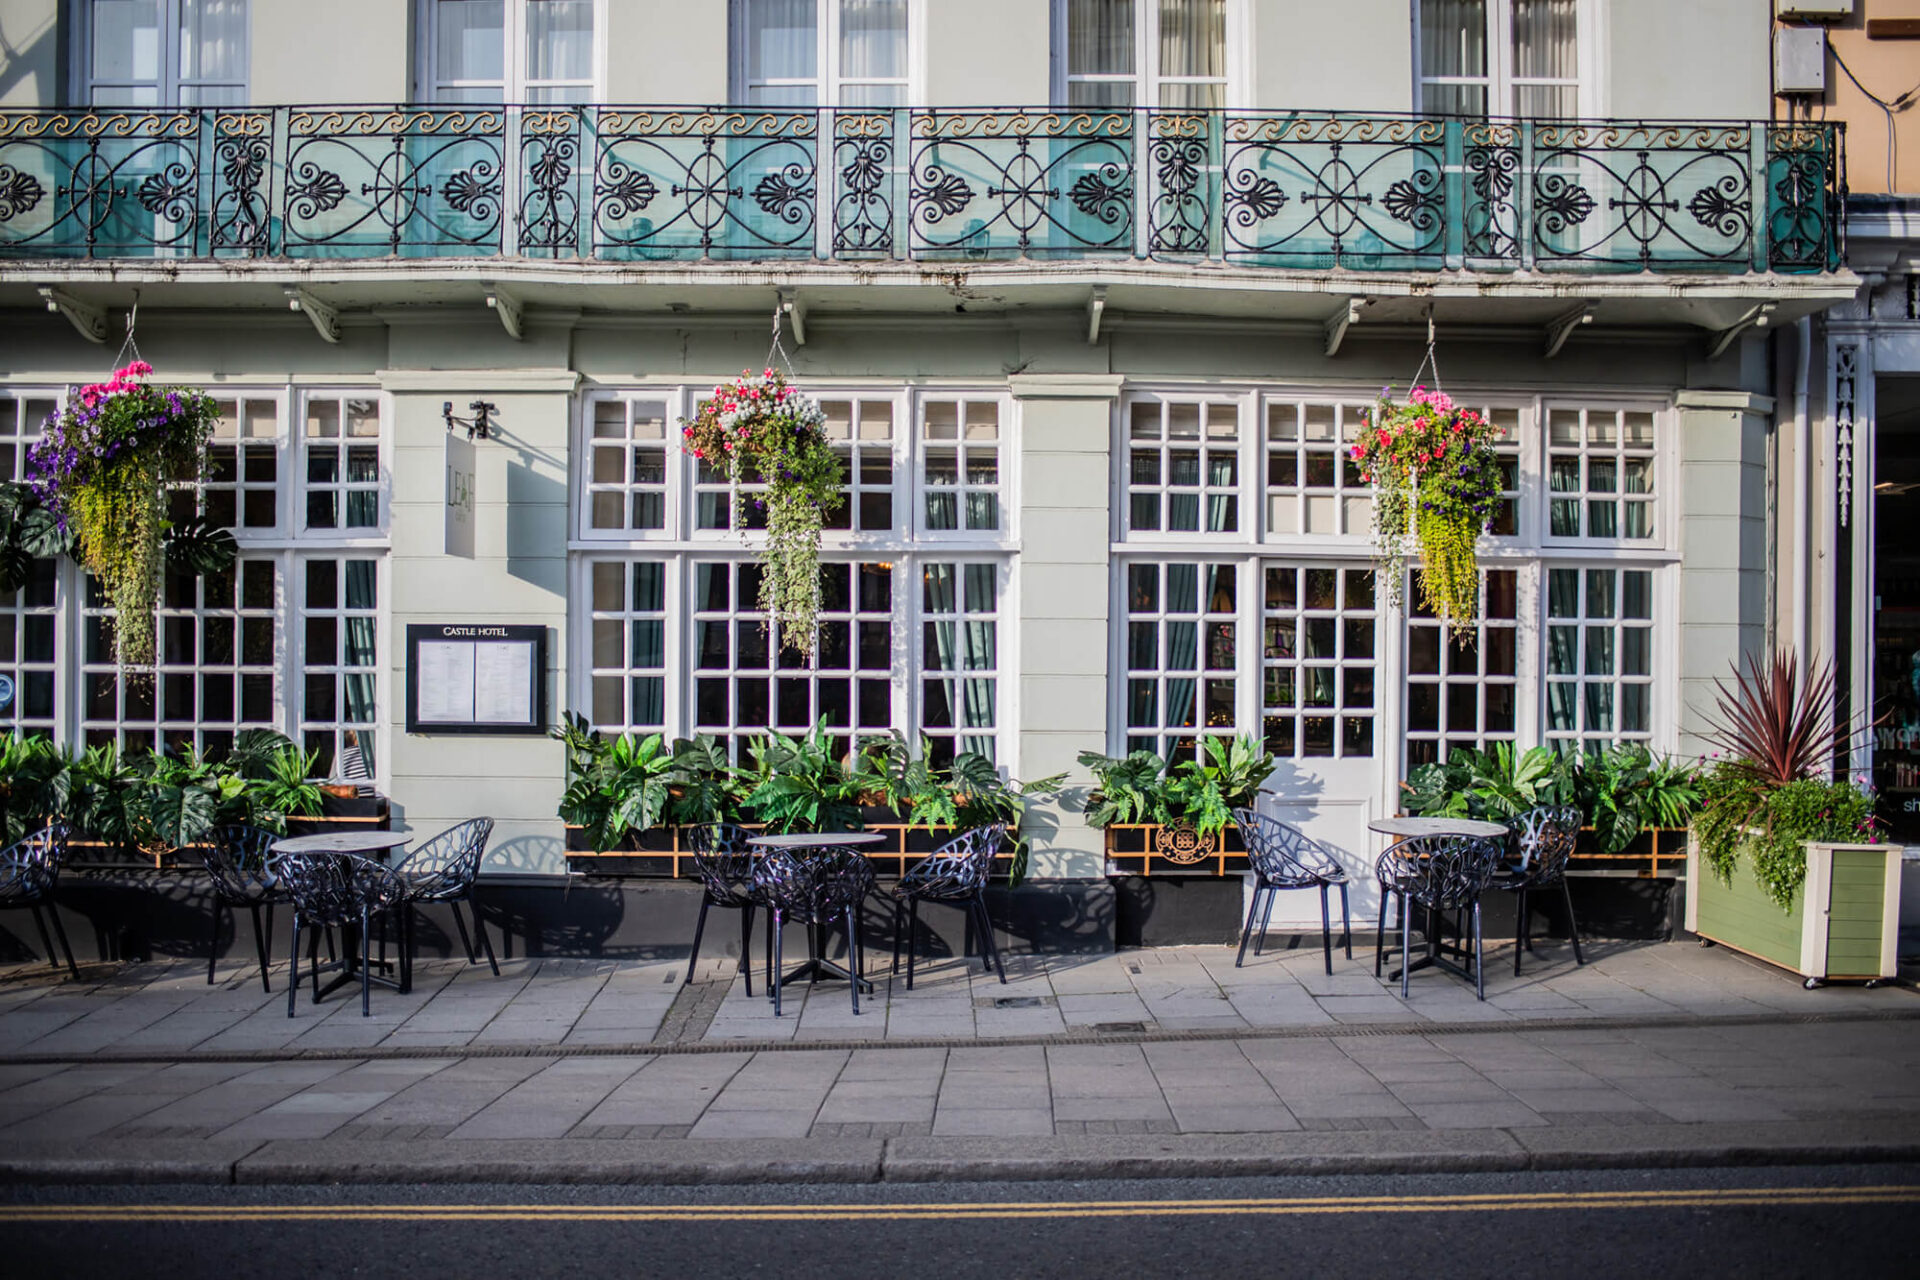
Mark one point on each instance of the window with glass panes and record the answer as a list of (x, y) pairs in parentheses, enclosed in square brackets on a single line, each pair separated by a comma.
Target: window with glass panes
[(1182, 619), (1318, 652), (1462, 684), (626, 480), (1312, 485), (1599, 657), (1183, 466), (1600, 473), (342, 447), (499, 51), (861, 430), (29, 620), (165, 53), (629, 658), (960, 658), (746, 681), (217, 662), (339, 598), (1142, 53), (960, 464), (240, 487), (1499, 57), (829, 53)]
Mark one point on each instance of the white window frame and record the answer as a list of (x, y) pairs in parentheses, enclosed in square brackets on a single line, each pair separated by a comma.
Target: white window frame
[(828, 84), (1479, 679), (167, 87), (513, 89), (1660, 679), (1664, 499), (1146, 78), (1500, 82)]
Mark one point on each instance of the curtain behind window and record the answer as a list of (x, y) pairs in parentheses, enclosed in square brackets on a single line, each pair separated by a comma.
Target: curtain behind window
[(1193, 42), (213, 47), (1099, 42), (470, 40), (780, 42), (1546, 46), (559, 47), (873, 45), (1453, 42)]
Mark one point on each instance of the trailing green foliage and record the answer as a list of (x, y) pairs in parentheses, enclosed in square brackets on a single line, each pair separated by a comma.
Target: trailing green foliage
[(1141, 788)]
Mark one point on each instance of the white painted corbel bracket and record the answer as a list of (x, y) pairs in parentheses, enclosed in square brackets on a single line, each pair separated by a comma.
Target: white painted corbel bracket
[(1340, 321), (1096, 308), (794, 308), (1561, 327), (89, 321), (1754, 319), (326, 320), (511, 310)]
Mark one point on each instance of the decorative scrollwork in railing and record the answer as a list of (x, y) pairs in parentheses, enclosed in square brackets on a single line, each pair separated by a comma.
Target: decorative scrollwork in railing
[(1335, 192), (1026, 183), (428, 181), (734, 184), (1283, 190)]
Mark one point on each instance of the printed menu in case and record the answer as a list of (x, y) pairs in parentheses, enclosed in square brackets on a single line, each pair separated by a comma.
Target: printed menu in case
[(468, 678)]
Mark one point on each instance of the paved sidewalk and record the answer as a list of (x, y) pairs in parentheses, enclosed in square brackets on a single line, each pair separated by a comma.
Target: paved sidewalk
[(1165, 1061)]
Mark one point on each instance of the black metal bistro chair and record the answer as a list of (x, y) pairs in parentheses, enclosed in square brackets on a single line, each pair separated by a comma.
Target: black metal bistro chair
[(724, 862), (816, 889), (29, 867), (447, 869), (956, 873), (1543, 839), (345, 892), (1283, 857), (1437, 874), (236, 859)]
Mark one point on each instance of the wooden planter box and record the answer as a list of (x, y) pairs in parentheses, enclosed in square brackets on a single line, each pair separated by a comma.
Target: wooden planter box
[(1845, 920), (1150, 849), (337, 813), (666, 853), (1656, 852)]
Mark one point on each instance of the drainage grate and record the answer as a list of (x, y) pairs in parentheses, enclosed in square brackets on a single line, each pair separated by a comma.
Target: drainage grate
[(1015, 1002), (1120, 1028)]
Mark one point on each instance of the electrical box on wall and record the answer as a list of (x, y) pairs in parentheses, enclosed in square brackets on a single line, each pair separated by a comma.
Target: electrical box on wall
[(1814, 10), (1799, 60)]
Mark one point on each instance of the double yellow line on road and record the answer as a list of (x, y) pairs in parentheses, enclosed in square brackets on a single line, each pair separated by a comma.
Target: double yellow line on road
[(1289, 1206)]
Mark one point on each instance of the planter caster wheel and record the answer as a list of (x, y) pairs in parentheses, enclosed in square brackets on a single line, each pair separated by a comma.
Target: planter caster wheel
[(1874, 983), (1814, 984), (1705, 943)]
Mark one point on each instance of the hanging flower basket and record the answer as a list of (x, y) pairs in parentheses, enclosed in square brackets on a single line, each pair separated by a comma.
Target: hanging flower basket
[(103, 468), (1435, 475), (758, 428)]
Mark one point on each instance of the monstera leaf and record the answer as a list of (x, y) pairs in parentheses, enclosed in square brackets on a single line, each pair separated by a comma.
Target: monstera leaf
[(200, 548), (167, 816)]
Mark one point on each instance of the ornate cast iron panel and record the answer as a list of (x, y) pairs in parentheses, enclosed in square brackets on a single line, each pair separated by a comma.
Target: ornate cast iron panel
[(1012, 183), (1332, 191), (114, 184), (424, 182), (719, 184), (635, 183)]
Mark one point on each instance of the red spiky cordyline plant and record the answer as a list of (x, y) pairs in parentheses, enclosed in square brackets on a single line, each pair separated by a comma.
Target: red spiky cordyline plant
[(1771, 728)]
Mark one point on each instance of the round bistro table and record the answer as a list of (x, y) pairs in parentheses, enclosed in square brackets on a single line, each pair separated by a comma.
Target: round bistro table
[(377, 844), (800, 844), (1408, 828)]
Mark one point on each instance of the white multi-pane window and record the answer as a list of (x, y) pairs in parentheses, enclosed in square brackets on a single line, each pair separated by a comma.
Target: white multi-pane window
[(960, 657), (240, 488), (164, 53), (861, 429), (508, 51), (1312, 485), (1181, 655), (1463, 684), (29, 615), (745, 681), (1501, 57), (629, 619), (1600, 473), (960, 464), (342, 458), (626, 478), (1319, 646), (1145, 53), (218, 652), (339, 600), (1599, 657), (826, 53), (1183, 466)]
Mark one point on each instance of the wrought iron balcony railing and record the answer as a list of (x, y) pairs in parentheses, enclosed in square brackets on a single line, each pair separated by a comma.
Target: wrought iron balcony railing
[(648, 183)]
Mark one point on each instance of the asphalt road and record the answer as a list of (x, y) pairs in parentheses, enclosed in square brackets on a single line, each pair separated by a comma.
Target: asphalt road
[(1695, 1223)]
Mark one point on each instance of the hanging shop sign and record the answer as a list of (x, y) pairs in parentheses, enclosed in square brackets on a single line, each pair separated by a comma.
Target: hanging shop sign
[(476, 678), (460, 493)]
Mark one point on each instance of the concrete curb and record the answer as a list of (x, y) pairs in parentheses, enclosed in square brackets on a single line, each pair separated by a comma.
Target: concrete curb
[(921, 1160)]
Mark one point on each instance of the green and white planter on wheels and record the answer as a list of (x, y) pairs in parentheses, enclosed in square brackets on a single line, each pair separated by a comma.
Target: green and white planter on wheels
[(1844, 923)]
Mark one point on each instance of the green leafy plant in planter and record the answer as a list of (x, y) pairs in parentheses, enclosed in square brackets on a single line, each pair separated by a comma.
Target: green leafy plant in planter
[(35, 783), (970, 792), (1435, 476), (102, 468), (1627, 789), (1491, 785), (706, 787), (799, 784), (1770, 786), (762, 428), (617, 784), (1141, 788)]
